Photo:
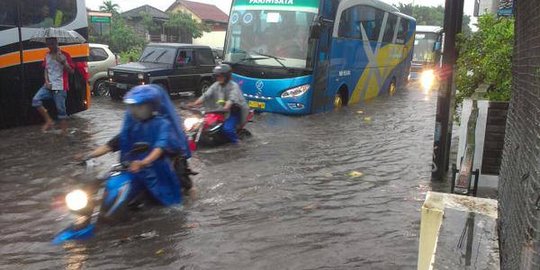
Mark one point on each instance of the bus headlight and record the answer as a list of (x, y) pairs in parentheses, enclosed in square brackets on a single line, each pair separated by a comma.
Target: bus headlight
[(76, 200), (296, 92), (427, 78), (191, 123)]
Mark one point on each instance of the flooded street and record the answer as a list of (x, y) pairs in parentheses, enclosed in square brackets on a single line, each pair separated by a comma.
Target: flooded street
[(340, 190)]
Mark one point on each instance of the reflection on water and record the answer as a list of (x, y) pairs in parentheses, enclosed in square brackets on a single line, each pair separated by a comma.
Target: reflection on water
[(75, 256), (286, 198)]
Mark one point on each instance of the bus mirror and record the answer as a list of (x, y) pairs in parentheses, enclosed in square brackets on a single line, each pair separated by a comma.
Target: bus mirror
[(437, 46), (315, 31)]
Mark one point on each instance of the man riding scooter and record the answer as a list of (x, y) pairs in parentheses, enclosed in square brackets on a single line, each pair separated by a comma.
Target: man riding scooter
[(150, 118), (226, 94)]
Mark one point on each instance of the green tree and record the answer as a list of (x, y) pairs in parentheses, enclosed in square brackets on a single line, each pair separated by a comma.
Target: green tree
[(149, 23), (110, 7), (485, 57), (123, 38), (183, 24), (430, 15)]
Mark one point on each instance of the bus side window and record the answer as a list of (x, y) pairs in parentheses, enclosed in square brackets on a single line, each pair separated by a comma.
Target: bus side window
[(349, 24), (390, 28), (7, 14), (402, 32), (49, 14)]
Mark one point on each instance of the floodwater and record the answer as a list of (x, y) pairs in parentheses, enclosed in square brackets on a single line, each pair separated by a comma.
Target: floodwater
[(340, 190)]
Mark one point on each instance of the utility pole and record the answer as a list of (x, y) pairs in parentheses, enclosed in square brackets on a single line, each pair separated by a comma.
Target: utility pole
[(453, 17)]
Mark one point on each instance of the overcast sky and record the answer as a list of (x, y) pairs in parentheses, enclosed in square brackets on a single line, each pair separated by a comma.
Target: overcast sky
[(225, 5)]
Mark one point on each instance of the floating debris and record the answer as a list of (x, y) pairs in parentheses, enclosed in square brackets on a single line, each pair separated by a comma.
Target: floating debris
[(311, 206), (191, 226), (160, 252), (367, 119), (360, 112), (355, 174)]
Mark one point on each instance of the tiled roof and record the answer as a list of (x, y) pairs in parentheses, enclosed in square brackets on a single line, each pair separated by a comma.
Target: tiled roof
[(205, 12), (152, 11)]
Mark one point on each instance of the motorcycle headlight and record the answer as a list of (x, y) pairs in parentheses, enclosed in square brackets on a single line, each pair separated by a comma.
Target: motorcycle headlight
[(76, 200), (427, 78), (296, 92), (191, 123)]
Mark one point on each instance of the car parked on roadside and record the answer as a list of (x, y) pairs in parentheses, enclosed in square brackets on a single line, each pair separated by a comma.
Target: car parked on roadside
[(178, 68), (100, 59)]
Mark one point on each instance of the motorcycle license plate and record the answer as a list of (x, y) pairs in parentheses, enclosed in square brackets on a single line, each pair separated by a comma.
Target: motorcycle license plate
[(257, 105)]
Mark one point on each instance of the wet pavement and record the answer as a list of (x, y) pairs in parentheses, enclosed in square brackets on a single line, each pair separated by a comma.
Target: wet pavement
[(340, 190)]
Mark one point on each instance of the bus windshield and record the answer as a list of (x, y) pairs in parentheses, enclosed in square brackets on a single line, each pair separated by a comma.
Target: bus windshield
[(269, 37), (424, 45)]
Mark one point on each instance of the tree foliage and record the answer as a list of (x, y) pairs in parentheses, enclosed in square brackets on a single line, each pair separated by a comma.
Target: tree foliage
[(181, 22), (485, 57), (110, 7), (430, 15), (123, 38), (148, 22)]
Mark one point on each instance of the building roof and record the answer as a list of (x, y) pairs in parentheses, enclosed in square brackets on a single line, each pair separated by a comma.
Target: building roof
[(152, 11), (205, 12)]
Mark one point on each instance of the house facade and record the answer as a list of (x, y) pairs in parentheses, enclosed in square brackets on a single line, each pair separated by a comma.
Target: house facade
[(208, 14), (134, 19)]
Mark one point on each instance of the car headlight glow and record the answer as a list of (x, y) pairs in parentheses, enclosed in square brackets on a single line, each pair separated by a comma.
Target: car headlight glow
[(191, 123), (427, 78), (76, 200), (296, 92)]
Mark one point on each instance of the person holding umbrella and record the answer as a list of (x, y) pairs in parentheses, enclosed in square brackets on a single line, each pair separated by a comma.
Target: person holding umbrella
[(57, 65)]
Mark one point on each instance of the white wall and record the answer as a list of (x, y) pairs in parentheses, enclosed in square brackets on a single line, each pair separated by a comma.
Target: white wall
[(212, 39), (488, 6)]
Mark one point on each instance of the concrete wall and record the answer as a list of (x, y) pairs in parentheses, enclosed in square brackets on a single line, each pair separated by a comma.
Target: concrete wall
[(212, 39), (519, 187)]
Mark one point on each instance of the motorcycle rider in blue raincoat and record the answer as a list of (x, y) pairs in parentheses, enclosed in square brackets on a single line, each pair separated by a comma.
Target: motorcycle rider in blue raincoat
[(152, 119)]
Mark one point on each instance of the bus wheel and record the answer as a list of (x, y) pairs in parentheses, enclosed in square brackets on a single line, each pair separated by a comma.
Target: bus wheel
[(392, 88)]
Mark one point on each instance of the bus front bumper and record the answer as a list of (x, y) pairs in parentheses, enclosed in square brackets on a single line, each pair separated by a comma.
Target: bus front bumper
[(291, 106)]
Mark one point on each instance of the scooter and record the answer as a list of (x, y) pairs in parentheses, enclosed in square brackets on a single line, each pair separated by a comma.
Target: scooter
[(205, 127), (104, 200)]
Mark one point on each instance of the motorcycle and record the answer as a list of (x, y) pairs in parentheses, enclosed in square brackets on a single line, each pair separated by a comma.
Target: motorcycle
[(103, 200), (205, 127)]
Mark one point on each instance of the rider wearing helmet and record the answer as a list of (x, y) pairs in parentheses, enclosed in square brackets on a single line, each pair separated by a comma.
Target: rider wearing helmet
[(150, 119), (226, 94)]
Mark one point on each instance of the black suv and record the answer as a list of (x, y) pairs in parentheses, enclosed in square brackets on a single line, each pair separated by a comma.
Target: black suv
[(179, 68)]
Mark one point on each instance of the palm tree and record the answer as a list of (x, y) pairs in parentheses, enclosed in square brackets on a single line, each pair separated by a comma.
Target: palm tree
[(109, 7)]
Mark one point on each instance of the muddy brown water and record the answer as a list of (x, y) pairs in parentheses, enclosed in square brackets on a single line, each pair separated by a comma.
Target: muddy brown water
[(339, 190)]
